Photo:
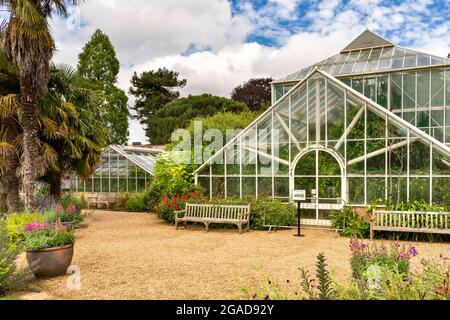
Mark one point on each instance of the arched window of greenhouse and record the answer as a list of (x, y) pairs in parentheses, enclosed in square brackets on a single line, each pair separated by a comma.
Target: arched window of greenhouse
[(122, 169), (369, 125)]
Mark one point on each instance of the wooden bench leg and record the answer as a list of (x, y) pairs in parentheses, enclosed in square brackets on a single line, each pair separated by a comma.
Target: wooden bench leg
[(240, 228), (248, 226), (207, 226), (176, 224), (371, 233)]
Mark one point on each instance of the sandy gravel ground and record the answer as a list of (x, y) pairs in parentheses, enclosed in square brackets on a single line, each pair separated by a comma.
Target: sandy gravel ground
[(135, 256)]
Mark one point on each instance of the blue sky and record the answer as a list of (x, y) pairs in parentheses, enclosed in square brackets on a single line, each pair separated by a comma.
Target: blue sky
[(218, 44)]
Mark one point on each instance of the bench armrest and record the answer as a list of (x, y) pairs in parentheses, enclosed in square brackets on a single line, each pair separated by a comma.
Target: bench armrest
[(178, 212)]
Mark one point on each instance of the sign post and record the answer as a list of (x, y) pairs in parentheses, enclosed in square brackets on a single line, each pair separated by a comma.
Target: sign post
[(298, 196)]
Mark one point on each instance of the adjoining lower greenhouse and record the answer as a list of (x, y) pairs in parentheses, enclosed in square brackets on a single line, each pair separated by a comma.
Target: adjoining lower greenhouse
[(122, 169), (344, 145)]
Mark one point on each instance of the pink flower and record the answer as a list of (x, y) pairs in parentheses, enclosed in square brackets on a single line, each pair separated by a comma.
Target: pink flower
[(35, 226), (72, 208)]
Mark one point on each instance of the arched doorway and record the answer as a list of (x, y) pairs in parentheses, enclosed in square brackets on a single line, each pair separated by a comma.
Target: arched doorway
[(321, 172)]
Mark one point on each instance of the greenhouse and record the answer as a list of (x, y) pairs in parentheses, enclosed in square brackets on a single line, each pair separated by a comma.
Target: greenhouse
[(122, 169), (358, 128)]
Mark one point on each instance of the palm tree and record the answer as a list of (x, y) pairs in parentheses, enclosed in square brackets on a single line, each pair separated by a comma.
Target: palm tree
[(28, 44), (71, 134), (9, 134)]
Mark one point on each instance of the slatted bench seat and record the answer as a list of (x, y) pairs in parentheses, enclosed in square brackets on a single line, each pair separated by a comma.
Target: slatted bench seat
[(106, 198), (208, 213), (410, 221)]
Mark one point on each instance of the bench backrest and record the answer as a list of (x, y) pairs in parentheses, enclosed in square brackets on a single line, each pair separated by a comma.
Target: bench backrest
[(411, 220), (106, 196), (226, 212)]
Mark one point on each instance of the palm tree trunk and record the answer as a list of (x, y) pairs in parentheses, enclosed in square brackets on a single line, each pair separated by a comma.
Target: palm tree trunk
[(30, 135), (12, 163)]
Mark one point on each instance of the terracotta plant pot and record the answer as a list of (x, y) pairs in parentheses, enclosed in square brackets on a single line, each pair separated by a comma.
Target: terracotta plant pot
[(50, 262)]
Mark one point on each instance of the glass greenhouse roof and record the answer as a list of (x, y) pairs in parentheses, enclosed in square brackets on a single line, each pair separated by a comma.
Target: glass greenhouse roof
[(296, 114), (369, 53), (142, 157)]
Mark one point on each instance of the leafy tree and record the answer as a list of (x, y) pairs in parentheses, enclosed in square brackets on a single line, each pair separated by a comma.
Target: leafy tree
[(255, 93), (153, 90), (28, 44), (178, 114), (99, 65)]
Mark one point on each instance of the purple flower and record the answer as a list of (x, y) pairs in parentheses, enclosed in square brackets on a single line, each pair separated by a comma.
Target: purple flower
[(413, 251)]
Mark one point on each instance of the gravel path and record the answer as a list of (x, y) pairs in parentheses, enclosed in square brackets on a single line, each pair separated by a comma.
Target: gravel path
[(135, 256)]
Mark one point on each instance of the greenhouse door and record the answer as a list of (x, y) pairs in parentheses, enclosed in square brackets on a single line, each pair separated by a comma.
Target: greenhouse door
[(320, 172)]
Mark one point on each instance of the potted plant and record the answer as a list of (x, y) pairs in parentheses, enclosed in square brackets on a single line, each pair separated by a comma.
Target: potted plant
[(68, 217), (49, 250)]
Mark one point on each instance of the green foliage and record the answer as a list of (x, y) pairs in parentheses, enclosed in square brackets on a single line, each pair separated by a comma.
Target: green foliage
[(272, 212), (430, 282), (153, 90), (54, 217), (178, 113), (349, 223), (324, 289), (8, 255), (48, 238), (99, 65), (326, 292), (414, 205), (15, 224), (171, 177), (68, 199), (137, 202)]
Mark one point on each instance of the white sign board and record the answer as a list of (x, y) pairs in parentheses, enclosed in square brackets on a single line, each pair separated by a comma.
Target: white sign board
[(298, 195)]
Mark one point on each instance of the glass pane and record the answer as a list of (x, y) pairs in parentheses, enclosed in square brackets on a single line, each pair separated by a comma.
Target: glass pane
[(356, 190), (264, 187), (396, 91), (441, 194), (328, 166), (419, 189), (218, 187), (437, 88), (306, 165), (281, 187), (382, 91), (409, 90), (233, 187), (248, 187), (376, 190), (423, 89)]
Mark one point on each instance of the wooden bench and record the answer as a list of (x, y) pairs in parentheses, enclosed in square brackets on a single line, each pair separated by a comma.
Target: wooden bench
[(106, 198), (410, 221), (208, 213)]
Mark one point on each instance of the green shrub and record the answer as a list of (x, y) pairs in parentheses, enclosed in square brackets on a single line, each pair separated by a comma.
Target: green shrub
[(68, 199), (349, 223), (15, 224), (171, 177), (137, 202), (48, 238), (272, 212), (122, 200), (9, 252)]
